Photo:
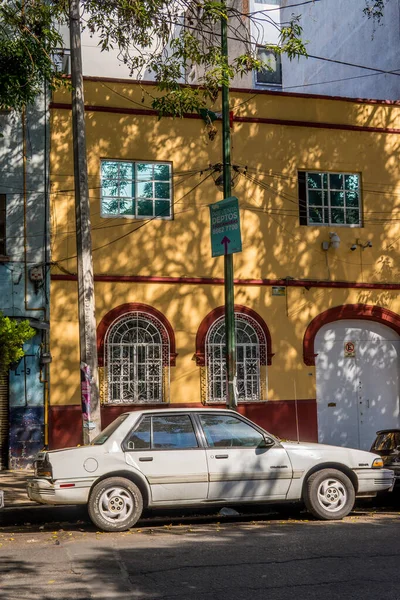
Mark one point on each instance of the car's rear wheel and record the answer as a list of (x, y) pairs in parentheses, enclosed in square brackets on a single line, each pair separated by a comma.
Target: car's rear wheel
[(329, 494), (115, 504)]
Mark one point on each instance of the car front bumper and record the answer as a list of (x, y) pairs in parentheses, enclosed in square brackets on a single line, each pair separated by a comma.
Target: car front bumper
[(372, 481), (45, 491)]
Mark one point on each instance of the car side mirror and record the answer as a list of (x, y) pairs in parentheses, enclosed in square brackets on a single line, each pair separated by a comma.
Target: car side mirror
[(267, 442)]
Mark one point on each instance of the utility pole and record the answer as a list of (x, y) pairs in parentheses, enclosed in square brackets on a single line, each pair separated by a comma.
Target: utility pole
[(86, 302), (230, 336)]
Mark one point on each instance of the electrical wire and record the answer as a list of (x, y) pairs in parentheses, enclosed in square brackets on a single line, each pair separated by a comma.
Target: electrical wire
[(142, 224)]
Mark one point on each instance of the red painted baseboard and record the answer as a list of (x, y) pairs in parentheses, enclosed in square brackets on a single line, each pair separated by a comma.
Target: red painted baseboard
[(278, 417)]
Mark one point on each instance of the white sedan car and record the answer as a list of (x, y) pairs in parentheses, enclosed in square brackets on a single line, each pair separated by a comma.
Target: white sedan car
[(192, 457)]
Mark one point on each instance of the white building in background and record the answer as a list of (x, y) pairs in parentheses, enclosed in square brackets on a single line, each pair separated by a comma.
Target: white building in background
[(336, 30), (339, 30)]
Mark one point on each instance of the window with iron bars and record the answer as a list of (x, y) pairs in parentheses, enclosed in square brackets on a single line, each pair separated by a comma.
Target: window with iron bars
[(250, 345), (137, 360)]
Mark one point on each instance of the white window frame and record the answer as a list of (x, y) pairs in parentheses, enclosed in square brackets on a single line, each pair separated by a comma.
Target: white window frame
[(135, 197), (328, 206)]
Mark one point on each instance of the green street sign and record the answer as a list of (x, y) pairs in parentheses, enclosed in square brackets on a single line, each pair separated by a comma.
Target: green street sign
[(225, 227)]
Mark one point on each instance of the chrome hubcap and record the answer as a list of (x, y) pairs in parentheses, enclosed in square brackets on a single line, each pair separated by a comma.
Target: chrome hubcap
[(332, 495), (116, 504)]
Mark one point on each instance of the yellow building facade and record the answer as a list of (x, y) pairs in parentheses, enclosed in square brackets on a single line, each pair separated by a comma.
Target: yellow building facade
[(316, 283)]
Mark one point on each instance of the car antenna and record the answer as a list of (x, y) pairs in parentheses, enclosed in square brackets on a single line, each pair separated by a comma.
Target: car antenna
[(296, 411)]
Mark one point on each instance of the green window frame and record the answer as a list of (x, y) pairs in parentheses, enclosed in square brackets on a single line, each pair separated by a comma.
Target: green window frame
[(327, 198), (136, 189)]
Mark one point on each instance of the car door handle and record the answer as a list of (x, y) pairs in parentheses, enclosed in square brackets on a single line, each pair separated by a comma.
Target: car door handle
[(146, 458), (222, 456)]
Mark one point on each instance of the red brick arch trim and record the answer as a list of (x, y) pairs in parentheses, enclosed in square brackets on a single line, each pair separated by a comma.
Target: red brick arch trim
[(124, 309), (213, 316), (346, 311)]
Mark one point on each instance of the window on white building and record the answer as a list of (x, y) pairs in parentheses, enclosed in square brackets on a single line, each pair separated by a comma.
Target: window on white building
[(329, 198), (250, 346), (271, 74), (136, 190)]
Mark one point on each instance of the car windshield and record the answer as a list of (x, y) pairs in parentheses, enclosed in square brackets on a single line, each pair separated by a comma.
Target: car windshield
[(108, 431)]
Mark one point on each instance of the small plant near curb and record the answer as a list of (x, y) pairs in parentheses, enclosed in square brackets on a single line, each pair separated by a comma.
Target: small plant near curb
[(13, 335)]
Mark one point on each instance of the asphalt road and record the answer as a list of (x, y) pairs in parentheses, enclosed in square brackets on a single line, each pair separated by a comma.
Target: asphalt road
[(200, 557)]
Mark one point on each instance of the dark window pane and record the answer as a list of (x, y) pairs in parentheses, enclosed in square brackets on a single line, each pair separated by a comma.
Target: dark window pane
[(315, 198), (161, 190), (163, 208), (337, 216), (337, 198), (315, 215), (352, 217), (314, 180), (352, 199), (222, 431), (140, 437), (145, 208), (325, 181), (272, 71), (336, 181), (162, 172), (351, 182), (173, 432)]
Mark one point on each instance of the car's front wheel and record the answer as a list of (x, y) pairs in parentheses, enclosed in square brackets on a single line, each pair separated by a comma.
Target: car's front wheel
[(329, 494), (115, 504)]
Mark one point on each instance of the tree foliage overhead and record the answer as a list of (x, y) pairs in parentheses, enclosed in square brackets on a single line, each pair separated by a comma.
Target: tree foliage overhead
[(13, 335), (164, 37), (28, 39)]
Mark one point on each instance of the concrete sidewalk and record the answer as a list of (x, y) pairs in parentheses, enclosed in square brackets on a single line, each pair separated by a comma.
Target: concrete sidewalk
[(13, 484)]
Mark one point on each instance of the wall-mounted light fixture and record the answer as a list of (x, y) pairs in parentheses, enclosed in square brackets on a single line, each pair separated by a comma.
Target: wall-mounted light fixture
[(360, 244), (334, 242)]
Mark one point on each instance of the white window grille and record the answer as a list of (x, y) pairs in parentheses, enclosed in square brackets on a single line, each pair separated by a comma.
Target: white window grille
[(137, 352), (251, 348)]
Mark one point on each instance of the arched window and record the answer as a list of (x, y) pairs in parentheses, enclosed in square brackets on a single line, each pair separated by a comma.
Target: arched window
[(137, 359), (251, 351)]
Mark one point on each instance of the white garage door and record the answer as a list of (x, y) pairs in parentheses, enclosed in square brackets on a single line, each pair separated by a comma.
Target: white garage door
[(357, 371)]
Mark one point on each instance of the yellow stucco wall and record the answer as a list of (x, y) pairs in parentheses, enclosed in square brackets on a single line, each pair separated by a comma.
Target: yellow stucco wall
[(274, 244)]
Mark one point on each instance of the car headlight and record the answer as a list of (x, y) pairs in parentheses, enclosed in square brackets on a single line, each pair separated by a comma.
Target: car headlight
[(377, 464)]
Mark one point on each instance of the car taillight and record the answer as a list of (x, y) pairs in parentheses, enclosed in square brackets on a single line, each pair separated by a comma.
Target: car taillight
[(377, 463), (43, 466)]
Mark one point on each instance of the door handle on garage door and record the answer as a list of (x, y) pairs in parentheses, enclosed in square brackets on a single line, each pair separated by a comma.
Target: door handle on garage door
[(146, 458), (222, 456)]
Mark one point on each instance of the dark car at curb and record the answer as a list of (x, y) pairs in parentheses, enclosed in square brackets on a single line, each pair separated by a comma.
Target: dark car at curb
[(387, 445)]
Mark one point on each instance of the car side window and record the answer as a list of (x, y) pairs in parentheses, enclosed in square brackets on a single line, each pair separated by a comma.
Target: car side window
[(173, 432), (222, 431), (169, 432), (139, 438)]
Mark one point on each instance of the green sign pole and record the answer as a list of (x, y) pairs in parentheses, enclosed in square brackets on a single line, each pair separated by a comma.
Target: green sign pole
[(231, 400)]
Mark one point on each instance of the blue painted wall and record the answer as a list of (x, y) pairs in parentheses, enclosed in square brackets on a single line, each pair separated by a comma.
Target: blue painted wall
[(24, 180)]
